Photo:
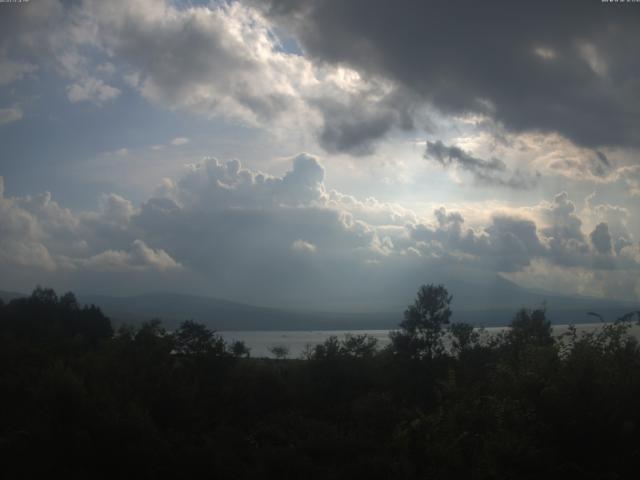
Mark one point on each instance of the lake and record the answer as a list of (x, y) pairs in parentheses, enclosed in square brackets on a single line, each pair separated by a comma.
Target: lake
[(297, 341)]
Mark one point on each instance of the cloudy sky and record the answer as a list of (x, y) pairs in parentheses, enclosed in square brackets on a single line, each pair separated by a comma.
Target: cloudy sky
[(327, 154)]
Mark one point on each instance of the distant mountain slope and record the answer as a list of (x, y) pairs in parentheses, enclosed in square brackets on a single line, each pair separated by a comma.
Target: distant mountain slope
[(225, 315), (8, 296), (495, 308), (498, 293)]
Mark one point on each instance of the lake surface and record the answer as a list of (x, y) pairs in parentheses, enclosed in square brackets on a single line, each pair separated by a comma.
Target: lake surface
[(297, 341)]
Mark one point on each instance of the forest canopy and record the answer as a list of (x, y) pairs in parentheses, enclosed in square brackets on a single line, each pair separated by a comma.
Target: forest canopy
[(443, 400)]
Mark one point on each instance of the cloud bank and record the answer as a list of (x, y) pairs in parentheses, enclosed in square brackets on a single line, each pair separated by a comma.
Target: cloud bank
[(243, 232)]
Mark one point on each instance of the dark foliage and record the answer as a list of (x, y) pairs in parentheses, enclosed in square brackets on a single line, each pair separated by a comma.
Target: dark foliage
[(443, 401), (421, 330), (43, 317)]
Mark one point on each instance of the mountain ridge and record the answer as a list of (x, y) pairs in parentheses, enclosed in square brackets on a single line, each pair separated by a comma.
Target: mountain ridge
[(227, 315)]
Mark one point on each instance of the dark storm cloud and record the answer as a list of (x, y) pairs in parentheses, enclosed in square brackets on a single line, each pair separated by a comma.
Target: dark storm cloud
[(453, 155), (354, 126), (600, 165), (603, 159), (601, 239), (347, 131), (489, 172), (544, 66)]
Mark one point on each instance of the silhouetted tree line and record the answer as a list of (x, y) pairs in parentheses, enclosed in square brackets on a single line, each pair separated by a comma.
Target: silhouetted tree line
[(443, 400)]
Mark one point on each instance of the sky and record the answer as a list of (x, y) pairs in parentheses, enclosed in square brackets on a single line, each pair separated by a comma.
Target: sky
[(323, 154)]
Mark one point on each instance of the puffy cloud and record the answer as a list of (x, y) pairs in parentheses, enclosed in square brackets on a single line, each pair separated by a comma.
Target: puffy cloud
[(544, 275), (222, 185), (574, 162), (631, 176), (116, 210), (21, 237), (139, 256), (10, 115), (631, 253), (176, 142), (515, 241), (285, 239), (221, 59), (46, 34), (91, 89), (507, 244), (35, 231), (586, 166), (549, 155), (302, 246), (550, 231), (304, 183), (564, 230), (260, 217), (11, 71), (226, 60)]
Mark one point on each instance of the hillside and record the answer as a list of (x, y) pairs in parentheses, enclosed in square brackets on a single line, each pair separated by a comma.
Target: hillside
[(491, 309)]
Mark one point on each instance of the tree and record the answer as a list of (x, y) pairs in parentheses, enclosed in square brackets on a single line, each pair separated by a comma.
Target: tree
[(239, 349), (69, 302), (530, 327), (45, 316), (359, 346), (152, 336), (354, 346), (44, 296), (463, 336), (421, 330), (194, 338), (279, 351), (330, 348), (628, 317), (92, 323)]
